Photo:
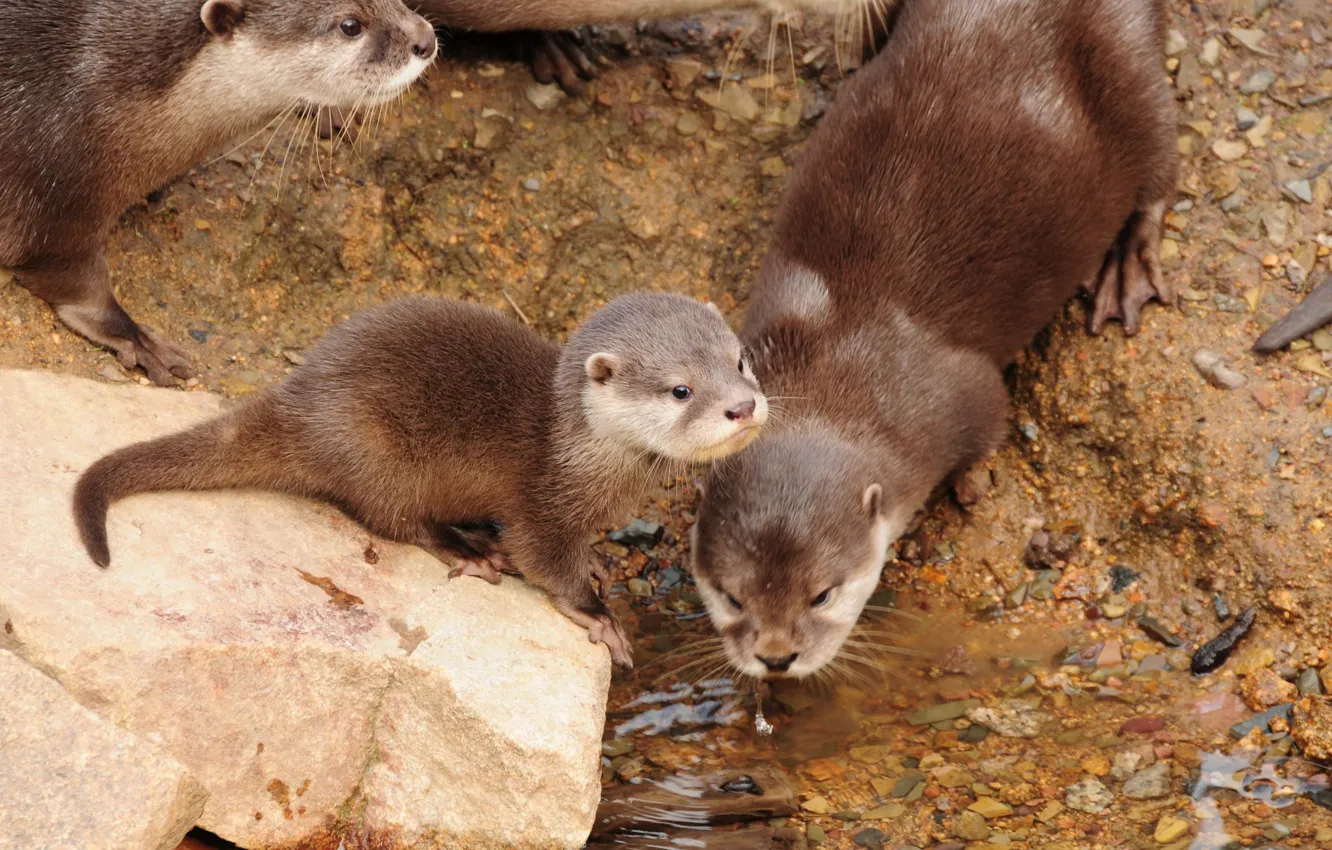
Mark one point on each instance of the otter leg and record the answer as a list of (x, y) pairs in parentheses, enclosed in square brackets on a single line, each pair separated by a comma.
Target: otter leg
[(564, 568), (564, 57), (1131, 274), (79, 290), (477, 546)]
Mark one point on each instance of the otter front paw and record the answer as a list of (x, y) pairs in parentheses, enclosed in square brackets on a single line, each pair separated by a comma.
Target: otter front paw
[(567, 58), (602, 627), (1131, 274)]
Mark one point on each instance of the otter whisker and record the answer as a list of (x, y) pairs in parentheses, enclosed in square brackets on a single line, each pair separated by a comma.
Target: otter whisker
[(282, 119), (706, 658)]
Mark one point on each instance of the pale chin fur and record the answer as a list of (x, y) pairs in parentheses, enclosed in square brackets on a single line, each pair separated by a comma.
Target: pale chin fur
[(402, 80), (843, 609), (826, 7)]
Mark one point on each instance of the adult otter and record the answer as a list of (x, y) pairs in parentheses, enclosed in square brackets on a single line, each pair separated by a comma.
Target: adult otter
[(957, 193)]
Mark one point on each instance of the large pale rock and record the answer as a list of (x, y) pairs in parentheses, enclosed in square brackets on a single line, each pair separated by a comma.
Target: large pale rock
[(72, 781), (311, 686)]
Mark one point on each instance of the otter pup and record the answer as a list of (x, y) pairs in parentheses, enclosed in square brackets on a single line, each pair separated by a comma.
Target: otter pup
[(101, 103), (958, 192), (429, 420)]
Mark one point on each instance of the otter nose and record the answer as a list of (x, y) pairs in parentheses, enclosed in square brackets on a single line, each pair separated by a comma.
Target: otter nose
[(742, 411), (424, 48), (778, 665)]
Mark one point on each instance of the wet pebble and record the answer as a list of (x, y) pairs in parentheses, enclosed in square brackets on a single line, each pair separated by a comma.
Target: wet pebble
[(1233, 201), (1088, 795), (971, 827), (1142, 725), (869, 838), (743, 785), (1170, 829), (1245, 118), (943, 711), (885, 812), (1121, 578), (1126, 764), (639, 587), (1012, 718), (640, 533), (1262, 720), (1149, 783), (1214, 653), (1295, 273), (617, 747), (1221, 607), (532, 184), (689, 124), (1158, 631), (815, 833), (113, 373), (545, 96), (1211, 365)]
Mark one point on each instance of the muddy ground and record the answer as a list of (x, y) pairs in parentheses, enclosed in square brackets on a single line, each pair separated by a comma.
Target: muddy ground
[(1124, 459)]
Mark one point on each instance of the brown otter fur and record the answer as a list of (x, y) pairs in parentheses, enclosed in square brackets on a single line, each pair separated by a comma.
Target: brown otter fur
[(994, 156), (102, 102), (427, 420)]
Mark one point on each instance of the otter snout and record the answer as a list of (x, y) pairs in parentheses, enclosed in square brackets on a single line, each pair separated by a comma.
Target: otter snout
[(780, 664), (743, 411), (424, 43)]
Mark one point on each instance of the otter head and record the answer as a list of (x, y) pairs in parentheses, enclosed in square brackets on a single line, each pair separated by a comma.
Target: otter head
[(790, 540), (664, 374), (345, 53)]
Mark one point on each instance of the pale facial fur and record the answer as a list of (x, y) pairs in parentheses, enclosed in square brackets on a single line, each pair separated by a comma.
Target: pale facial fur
[(643, 413)]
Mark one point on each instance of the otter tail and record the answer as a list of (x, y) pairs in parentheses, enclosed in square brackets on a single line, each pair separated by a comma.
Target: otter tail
[(243, 448)]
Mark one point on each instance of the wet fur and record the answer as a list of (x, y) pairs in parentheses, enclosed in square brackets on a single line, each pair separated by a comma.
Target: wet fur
[(426, 415), (961, 188)]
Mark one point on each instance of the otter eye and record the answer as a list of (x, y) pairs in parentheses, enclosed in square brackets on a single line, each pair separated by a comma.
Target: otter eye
[(351, 28), (682, 393), (821, 598), (736, 602)]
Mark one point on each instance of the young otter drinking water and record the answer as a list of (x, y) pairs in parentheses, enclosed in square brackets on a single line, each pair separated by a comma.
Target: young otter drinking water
[(425, 415), (102, 102), (994, 156)]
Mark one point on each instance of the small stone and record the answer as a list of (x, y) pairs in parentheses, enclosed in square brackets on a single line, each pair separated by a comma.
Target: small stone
[(1142, 725), (1170, 829), (617, 747), (1295, 272), (488, 133), (683, 72), (639, 533), (1230, 150), (1233, 201), (1262, 721), (817, 806), (689, 124), (1158, 631), (773, 166), (1245, 118), (1323, 835), (202, 224), (532, 184), (1265, 689), (1175, 43), (1275, 224), (1111, 611), (952, 776), (990, 808), (1126, 764), (1300, 190), (1011, 719), (1088, 795), (1322, 339), (1149, 783), (545, 97), (1097, 765), (906, 786), (1051, 811), (735, 101), (1211, 52), (885, 812), (1308, 682), (1259, 81), (970, 826), (869, 838), (113, 373), (815, 833), (639, 587), (294, 357), (943, 711)]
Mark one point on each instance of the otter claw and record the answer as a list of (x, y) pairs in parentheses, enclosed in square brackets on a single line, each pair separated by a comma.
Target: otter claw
[(1131, 274), (480, 569)]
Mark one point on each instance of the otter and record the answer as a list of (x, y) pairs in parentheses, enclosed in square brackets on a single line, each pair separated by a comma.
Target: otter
[(432, 422), (101, 103), (551, 29), (994, 158)]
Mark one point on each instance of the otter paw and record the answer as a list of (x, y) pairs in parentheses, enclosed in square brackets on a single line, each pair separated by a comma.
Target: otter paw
[(971, 485), (606, 629), (481, 568), (1130, 275), (567, 58), (601, 573)]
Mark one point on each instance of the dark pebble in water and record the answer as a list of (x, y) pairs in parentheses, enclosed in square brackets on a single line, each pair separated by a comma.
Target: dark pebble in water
[(1142, 725), (1214, 653), (1308, 682), (973, 734), (638, 533), (1121, 578), (670, 577), (743, 785), (198, 335), (1221, 607), (1093, 612), (1263, 721), (1158, 631), (869, 837), (1322, 798)]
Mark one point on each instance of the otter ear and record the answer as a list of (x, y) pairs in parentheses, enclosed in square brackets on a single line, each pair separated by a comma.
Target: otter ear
[(872, 501), (601, 366), (220, 17), (712, 305)]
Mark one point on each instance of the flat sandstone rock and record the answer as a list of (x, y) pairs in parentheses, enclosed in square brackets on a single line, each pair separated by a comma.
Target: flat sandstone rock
[(72, 781), (313, 684)]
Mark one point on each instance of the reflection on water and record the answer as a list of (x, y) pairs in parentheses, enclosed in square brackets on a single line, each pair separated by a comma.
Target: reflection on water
[(682, 708), (1264, 783)]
